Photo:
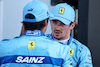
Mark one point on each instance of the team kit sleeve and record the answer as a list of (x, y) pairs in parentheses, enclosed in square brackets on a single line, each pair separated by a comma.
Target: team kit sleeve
[(85, 59)]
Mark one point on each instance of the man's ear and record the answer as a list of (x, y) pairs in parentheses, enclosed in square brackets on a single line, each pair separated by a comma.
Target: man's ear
[(22, 30), (72, 25), (46, 22), (45, 26)]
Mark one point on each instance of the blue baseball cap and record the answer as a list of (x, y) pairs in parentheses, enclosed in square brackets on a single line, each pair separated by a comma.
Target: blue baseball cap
[(64, 13), (38, 9)]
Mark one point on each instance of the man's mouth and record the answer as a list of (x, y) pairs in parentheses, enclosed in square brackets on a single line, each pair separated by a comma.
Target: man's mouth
[(57, 32)]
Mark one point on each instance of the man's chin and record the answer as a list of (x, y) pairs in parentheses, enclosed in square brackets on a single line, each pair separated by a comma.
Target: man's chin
[(58, 38)]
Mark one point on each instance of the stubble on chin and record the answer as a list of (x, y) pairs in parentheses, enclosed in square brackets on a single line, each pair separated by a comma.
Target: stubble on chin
[(58, 37)]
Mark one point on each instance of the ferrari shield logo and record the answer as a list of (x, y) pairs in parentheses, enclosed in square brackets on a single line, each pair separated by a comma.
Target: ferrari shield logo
[(71, 52), (31, 45), (61, 10)]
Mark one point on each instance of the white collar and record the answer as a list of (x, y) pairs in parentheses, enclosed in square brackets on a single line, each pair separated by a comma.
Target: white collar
[(62, 41)]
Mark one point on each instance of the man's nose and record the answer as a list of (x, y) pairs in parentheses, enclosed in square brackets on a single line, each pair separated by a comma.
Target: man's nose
[(57, 26)]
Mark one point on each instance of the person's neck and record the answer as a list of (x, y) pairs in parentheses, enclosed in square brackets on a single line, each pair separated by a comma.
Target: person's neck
[(62, 41), (43, 30)]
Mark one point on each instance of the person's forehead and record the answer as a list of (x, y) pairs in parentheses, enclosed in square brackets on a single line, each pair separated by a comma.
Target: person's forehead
[(58, 21)]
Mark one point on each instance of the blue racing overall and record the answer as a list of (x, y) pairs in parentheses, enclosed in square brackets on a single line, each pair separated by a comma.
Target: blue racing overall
[(34, 49), (80, 54)]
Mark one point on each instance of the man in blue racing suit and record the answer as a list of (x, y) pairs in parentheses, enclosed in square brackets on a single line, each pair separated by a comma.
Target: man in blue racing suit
[(62, 22), (34, 49)]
